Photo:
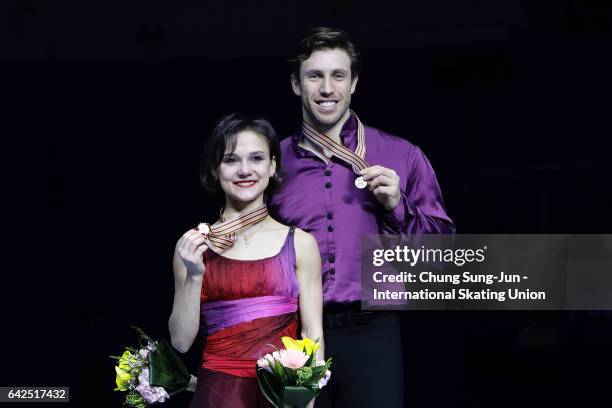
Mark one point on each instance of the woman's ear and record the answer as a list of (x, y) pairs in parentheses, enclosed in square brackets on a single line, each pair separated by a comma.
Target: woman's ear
[(273, 167)]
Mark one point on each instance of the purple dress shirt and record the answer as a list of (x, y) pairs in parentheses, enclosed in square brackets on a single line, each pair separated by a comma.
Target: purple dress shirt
[(322, 199)]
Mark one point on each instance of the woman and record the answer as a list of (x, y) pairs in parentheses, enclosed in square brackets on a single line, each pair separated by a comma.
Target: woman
[(246, 274)]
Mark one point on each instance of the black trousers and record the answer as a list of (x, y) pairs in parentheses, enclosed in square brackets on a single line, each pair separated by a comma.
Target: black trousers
[(367, 367)]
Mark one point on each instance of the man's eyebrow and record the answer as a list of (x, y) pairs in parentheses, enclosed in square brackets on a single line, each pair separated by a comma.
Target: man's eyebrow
[(312, 71), (318, 71)]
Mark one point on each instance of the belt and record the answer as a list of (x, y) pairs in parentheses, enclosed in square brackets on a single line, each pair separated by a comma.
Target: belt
[(345, 315)]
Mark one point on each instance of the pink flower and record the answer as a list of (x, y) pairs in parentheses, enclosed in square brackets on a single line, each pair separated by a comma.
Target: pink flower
[(292, 358)]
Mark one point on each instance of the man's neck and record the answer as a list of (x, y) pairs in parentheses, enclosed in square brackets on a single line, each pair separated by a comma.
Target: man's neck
[(332, 132)]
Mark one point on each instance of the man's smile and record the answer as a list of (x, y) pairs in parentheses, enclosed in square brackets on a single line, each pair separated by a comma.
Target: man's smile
[(326, 104)]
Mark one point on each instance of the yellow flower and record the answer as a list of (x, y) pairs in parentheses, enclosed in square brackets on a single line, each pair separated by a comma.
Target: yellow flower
[(122, 380), (305, 344), (311, 346), (124, 360)]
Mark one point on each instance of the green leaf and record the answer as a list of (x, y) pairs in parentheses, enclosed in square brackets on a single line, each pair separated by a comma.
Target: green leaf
[(319, 371), (290, 375), (167, 369), (279, 370), (270, 387), (296, 397)]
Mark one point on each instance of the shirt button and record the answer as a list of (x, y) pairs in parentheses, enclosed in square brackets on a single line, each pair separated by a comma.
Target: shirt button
[(328, 185), (330, 228), (329, 216), (331, 259), (332, 271), (328, 173)]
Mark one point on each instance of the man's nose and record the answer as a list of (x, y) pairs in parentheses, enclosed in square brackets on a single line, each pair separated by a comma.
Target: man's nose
[(326, 87)]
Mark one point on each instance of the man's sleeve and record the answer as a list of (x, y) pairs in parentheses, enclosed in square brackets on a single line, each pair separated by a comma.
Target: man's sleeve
[(421, 207)]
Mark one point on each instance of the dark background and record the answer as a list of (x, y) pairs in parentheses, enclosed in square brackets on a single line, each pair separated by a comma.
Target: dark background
[(106, 105)]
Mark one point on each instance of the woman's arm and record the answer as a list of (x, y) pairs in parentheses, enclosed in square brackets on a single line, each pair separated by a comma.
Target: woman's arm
[(188, 267), (311, 291)]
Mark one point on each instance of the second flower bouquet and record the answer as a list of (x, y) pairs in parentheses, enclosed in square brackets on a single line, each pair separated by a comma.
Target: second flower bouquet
[(291, 377)]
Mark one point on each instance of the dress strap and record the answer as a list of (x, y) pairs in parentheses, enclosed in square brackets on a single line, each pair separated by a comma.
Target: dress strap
[(289, 247)]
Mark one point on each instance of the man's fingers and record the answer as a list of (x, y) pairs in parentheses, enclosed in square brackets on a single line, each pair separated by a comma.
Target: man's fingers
[(383, 190), (372, 172), (380, 180)]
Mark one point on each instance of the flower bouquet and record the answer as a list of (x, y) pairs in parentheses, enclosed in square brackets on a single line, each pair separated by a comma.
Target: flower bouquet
[(151, 373), (292, 377)]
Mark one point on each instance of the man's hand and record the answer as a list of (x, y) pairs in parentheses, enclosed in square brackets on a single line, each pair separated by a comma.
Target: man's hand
[(384, 183)]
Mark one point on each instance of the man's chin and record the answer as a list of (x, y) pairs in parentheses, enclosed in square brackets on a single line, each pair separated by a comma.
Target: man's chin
[(328, 120)]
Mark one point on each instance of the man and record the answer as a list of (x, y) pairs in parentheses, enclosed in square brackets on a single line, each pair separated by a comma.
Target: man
[(327, 166)]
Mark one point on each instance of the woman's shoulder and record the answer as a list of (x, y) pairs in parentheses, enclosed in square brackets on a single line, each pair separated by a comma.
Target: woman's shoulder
[(305, 242)]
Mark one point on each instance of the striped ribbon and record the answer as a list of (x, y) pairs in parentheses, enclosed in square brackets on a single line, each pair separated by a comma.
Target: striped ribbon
[(355, 159), (223, 235)]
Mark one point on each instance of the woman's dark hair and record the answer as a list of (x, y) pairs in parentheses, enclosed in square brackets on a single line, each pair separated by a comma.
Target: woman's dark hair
[(224, 137), (323, 38)]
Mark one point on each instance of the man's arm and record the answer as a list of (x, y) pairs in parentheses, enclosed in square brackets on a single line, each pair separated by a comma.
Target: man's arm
[(413, 205)]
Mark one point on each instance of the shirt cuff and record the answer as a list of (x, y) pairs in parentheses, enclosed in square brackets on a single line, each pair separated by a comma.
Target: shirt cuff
[(399, 216)]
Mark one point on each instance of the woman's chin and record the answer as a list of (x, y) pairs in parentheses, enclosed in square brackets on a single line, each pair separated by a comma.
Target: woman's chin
[(245, 197)]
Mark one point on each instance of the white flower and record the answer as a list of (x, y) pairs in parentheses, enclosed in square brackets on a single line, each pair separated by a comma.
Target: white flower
[(264, 363), (152, 346), (323, 381)]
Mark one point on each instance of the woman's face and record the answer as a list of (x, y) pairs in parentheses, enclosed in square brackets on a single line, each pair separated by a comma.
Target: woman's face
[(244, 174)]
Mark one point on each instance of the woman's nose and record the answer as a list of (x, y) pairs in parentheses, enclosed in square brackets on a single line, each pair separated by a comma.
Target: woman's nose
[(245, 168)]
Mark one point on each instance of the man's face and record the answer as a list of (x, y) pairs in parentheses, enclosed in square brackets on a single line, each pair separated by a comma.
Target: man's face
[(325, 87)]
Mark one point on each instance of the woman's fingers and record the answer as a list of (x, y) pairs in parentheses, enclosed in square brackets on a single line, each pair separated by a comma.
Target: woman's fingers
[(189, 243)]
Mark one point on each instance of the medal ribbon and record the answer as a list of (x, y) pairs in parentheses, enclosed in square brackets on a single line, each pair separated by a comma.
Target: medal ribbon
[(355, 159), (223, 235)]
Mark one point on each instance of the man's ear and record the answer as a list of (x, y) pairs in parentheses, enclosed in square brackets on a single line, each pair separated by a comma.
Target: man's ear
[(354, 84), (295, 85)]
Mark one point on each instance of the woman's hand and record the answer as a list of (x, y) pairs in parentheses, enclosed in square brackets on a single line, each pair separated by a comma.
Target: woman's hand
[(188, 268), (190, 248)]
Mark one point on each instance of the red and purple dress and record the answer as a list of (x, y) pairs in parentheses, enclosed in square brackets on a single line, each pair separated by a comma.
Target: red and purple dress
[(246, 305)]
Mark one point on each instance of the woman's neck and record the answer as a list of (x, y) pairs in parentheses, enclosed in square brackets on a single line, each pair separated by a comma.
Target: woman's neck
[(234, 209)]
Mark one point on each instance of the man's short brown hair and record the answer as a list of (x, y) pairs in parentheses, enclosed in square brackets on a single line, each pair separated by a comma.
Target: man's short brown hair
[(323, 38)]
